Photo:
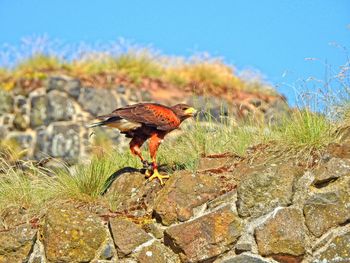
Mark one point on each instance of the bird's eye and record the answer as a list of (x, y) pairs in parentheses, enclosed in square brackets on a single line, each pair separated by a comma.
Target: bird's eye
[(184, 108)]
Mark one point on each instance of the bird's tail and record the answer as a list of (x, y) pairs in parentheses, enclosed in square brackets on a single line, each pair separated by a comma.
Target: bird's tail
[(97, 124), (103, 122)]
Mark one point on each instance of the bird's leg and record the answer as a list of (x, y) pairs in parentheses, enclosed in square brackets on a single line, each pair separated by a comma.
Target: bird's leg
[(154, 143), (135, 145)]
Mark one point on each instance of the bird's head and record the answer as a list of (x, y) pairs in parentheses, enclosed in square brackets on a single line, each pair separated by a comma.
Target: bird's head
[(184, 111)]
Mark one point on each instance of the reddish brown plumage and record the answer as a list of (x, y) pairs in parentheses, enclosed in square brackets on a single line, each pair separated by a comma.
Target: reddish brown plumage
[(145, 121)]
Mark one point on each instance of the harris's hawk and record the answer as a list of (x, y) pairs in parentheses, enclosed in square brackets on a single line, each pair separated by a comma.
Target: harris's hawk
[(143, 121)]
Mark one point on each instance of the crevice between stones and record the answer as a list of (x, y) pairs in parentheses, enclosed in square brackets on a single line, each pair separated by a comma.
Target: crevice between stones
[(325, 183), (35, 238)]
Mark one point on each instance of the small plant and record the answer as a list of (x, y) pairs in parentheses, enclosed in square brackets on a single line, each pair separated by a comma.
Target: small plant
[(25, 189), (85, 182), (304, 131)]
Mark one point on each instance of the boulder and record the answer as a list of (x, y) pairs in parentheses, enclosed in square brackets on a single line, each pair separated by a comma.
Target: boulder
[(328, 207), (337, 250), (265, 187), (127, 235), (70, 234), (17, 236), (205, 237), (216, 163), (6, 102), (21, 104), (66, 84), (38, 113), (132, 193), (182, 193), (283, 233), (16, 243), (64, 141), (331, 170), (97, 101), (157, 253), (245, 258), (59, 108), (20, 122), (22, 139)]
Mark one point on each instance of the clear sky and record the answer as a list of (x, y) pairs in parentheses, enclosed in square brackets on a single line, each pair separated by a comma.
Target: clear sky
[(271, 36)]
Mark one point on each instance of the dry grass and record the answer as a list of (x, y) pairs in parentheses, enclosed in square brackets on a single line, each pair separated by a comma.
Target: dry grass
[(202, 75)]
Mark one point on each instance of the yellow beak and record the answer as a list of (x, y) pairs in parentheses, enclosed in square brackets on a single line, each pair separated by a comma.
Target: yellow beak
[(191, 111)]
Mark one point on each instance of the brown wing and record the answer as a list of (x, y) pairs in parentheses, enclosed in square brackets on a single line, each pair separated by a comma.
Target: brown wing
[(150, 114)]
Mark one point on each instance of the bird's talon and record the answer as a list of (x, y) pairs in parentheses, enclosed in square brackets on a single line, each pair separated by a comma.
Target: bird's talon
[(157, 175), (148, 173)]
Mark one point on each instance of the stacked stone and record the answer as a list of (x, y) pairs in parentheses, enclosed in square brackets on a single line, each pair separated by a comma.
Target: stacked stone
[(51, 121), (278, 211)]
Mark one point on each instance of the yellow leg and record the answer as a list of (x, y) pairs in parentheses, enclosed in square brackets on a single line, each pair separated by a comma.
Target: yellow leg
[(156, 174)]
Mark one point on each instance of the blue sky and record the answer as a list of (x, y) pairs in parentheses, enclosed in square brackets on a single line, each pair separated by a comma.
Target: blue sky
[(271, 36)]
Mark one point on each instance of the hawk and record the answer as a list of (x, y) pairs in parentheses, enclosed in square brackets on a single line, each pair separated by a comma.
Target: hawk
[(143, 121)]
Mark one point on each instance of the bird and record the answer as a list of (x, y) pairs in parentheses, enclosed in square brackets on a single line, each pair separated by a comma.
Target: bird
[(147, 121)]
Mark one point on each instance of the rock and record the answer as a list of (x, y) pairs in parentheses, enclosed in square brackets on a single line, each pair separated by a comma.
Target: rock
[(66, 84), (38, 111), (16, 243), (132, 193), (20, 122), (340, 150), (157, 253), (21, 104), (216, 162), (183, 192), (334, 168), (42, 144), (7, 120), (3, 132), (17, 237), (205, 237), (227, 198), (107, 250), (245, 258), (155, 229), (328, 207), (265, 187), (6, 102), (59, 108), (146, 96), (22, 139), (120, 90), (215, 108), (282, 234), (127, 235), (97, 101), (64, 141), (72, 235), (276, 111), (245, 243), (38, 254), (338, 250)]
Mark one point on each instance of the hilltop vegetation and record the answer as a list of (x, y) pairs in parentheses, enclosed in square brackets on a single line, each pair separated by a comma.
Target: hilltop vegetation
[(134, 67)]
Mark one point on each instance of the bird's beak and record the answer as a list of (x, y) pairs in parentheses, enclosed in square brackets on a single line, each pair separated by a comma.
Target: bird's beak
[(191, 112)]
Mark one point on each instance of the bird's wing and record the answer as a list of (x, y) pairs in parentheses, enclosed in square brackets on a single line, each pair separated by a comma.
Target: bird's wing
[(154, 115)]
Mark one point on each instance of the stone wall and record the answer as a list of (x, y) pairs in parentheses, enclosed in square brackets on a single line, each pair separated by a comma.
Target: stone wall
[(230, 210), (51, 120)]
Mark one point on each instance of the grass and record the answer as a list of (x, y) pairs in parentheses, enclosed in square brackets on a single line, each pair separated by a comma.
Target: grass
[(303, 132), (25, 189), (305, 129), (85, 182), (202, 75)]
